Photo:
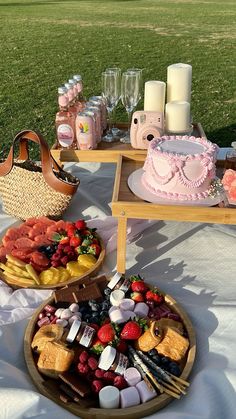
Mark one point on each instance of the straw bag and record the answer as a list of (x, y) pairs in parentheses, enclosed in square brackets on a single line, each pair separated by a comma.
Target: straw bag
[(30, 190)]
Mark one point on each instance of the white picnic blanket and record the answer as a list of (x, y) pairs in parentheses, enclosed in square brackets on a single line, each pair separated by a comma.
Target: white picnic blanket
[(193, 262)]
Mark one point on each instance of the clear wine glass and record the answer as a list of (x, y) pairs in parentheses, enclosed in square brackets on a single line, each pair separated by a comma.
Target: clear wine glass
[(139, 72), (129, 97), (111, 95), (115, 131)]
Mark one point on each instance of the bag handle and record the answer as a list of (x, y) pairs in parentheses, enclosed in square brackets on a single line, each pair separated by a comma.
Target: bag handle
[(47, 161)]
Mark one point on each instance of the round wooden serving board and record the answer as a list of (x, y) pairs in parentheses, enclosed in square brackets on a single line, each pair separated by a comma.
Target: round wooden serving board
[(139, 411), (15, 284)]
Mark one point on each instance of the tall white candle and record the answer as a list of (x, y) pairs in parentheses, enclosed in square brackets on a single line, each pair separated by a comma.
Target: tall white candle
[(179, 81), (154, 96), (177, 116)]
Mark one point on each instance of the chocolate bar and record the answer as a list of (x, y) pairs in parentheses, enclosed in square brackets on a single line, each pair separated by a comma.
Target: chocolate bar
[(76, 295), (80, 386), (68, 392)]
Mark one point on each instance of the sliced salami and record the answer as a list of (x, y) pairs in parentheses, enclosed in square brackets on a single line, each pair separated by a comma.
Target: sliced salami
[(24, 242)]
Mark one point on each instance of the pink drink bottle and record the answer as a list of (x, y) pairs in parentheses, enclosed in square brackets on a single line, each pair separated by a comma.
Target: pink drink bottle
[(78, 105), (98, 101), (85, 131), (79, 86), (97, 116), (65, 126)]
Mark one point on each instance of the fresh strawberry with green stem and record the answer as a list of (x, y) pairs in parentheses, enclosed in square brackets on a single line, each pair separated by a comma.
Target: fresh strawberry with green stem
[(138, 284), (97, 347), (75, 241), (94, 249), (138, 297), (80, 224), (131, 330), (106, 333), (154, 295)]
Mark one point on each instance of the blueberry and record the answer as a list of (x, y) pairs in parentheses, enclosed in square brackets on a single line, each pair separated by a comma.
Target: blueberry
[(107, 291), (152, 352), (95, 319), (43, 249), (87, 318), (174, 369), (83, 310), (94, 307), (156, 359), (165, 362), (105, 305)]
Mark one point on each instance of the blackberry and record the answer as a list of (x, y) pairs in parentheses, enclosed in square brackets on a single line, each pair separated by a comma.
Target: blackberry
[(107, 291), (153, 352), (174, 369)]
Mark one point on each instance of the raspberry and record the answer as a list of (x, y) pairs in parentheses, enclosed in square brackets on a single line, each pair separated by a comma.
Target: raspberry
[(97, 385), (90, 376), (64, 260), (82, 368), (83, 357), (109, 376), (92, 363), (99, 373), (94, 326), (120, 382)]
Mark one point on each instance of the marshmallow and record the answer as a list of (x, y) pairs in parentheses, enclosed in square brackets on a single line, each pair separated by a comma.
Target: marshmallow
[(141, 309), (116, 297), (129, 397), (76, 316), (58, 312), (74, 307), (145, 392), (66, 314), (129, 315), (127, 304), (109, 397), (117, 316), (132, 376)]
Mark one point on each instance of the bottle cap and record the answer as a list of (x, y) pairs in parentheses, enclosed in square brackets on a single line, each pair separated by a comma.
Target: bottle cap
[(107, 358), (62, 90), (77, 77)]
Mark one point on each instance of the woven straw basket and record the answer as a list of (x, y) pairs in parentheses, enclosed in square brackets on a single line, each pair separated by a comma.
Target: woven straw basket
[(30, 190)]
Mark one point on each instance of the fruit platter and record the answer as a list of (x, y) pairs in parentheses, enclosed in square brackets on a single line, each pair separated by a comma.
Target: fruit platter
[(43, 253), (114, 347)]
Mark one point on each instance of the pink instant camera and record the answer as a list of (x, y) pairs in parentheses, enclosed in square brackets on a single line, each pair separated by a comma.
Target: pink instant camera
[(145, 126)]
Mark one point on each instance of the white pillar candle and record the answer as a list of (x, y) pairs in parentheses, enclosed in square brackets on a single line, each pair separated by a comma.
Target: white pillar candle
[(179, 81), (177, 116), (154, 96)]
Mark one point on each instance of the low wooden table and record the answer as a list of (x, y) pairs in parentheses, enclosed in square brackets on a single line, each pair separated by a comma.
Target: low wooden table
[(107, 152), (127, 205)]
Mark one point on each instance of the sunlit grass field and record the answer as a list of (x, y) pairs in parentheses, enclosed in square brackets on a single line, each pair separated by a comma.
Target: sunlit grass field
[(43, 43)]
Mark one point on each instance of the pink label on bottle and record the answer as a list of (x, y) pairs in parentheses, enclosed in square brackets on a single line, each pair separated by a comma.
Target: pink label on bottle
[(65, 135), (122, 364), (79, 87), (63, 101)]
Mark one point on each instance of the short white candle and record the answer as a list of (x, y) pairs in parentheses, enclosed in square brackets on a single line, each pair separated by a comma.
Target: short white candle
[(179, 81), (177, 116), (154, 96)]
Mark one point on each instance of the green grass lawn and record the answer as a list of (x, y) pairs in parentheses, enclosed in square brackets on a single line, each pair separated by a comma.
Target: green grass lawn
[(43, 43)]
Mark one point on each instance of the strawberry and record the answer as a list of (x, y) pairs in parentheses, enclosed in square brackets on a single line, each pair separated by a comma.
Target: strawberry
[(65, 240), (106, 333), (97, 347), (94, 249), (131, 331), (154, 295), (122, 346), (80, 224), (71, 231), (138, 284), (137, 297), (75, 241)]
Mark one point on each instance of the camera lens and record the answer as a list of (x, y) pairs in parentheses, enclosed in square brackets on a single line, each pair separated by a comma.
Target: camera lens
[(150, 137)]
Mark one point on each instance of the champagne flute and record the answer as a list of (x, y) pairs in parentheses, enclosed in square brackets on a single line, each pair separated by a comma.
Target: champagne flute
[(111, 94), (129, 97), (115, 131), (139, 72)]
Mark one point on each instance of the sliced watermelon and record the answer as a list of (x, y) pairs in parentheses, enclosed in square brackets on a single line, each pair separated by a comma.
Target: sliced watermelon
[(42, 240)]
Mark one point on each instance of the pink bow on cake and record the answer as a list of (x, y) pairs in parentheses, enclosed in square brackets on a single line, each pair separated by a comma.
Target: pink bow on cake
[(229, 183)]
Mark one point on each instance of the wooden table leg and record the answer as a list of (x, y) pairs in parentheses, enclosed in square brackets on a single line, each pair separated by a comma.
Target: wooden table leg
[(121, 244)]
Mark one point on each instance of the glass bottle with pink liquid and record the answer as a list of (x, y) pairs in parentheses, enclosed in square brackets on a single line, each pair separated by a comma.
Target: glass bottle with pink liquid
[(65, 122), (79, 86)]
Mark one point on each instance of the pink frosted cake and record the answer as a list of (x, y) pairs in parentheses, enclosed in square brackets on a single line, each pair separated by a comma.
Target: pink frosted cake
[(180, 167)]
